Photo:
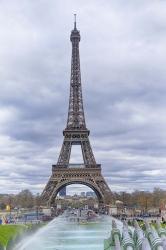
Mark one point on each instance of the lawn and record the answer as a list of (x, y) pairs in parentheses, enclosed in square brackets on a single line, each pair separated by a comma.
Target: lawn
[(9, 234)]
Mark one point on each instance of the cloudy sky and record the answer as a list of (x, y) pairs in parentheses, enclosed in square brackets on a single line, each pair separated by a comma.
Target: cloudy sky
[(123, 60)]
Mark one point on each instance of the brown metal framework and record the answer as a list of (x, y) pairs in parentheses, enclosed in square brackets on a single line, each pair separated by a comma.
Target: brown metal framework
[(76, 133)]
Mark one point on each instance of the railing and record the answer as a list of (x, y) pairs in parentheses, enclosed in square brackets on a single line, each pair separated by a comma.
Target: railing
[(75, 165)]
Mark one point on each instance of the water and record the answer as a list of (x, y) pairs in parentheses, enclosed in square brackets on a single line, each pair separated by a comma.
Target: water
[(61, 234)]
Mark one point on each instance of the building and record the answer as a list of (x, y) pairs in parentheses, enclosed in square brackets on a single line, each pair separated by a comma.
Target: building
[(62, 192)]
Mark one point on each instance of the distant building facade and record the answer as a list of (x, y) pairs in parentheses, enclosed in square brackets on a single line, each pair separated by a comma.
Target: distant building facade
[(62, 192)]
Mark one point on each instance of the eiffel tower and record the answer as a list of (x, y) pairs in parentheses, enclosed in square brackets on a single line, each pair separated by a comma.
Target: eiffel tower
[(76, 133)]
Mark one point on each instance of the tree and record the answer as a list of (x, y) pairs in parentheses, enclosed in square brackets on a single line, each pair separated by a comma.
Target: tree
[(25, 199)]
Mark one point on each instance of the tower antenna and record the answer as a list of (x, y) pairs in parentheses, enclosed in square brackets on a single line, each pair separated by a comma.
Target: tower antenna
[(75, 20)]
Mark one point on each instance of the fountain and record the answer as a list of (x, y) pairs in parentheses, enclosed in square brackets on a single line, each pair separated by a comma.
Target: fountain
[(151, 239), (62, 234), (127, 242), (65, 234)]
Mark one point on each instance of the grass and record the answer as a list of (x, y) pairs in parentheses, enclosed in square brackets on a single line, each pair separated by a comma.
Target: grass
[(9, 234)]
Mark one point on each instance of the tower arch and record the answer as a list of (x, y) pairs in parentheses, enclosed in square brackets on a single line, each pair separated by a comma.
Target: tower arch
[(66, 183)]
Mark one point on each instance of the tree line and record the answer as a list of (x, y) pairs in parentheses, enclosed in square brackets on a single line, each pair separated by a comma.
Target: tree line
[(142, 199), (136, 199), (24, 199)]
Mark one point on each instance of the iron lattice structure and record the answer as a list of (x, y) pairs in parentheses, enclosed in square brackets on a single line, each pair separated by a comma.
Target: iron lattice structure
[(76, 133)]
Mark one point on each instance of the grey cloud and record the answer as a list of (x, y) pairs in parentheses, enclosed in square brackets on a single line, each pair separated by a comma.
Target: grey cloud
[(123, 76)]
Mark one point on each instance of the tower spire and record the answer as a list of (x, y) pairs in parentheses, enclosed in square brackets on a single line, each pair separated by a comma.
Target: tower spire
[(75, 21)]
